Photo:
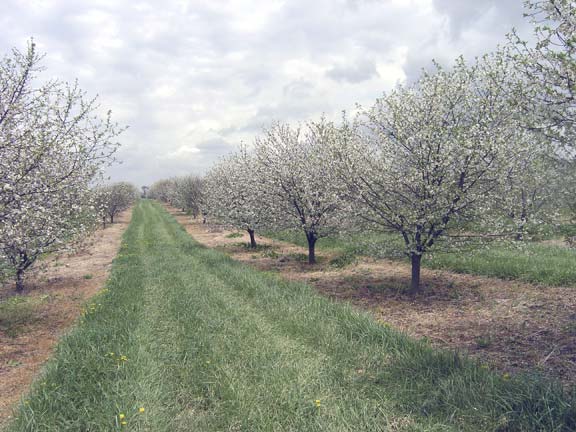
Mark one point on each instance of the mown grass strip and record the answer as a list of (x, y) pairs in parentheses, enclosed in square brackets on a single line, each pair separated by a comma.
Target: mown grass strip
[(529, 262), (201, 342)]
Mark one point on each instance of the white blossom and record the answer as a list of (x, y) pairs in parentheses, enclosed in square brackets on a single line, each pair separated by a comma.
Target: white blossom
[(53, 146), (233, 195), (294, 178), (110, 200), (430, 156)]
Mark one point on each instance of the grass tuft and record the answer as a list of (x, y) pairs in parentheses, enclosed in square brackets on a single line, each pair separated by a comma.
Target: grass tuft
[(235, 235), (17, 312)]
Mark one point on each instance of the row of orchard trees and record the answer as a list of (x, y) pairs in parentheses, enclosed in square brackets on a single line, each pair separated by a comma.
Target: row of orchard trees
[(54, 144), (185, 193), (480, 150), (112, 199)]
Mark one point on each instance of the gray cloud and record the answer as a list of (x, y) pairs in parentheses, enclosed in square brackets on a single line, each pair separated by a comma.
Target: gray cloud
[(214, 146), (353, 73), (194, 78)]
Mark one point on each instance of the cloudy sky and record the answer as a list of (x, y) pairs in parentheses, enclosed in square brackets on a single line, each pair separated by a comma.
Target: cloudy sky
[(193, 78)]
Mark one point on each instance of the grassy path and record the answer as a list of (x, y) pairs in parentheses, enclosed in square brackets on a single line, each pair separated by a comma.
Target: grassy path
[(185, 339)]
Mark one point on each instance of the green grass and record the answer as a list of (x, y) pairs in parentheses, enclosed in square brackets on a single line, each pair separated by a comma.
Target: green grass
[(6, 271), (209, 344), (17, 312), (235, 235), (530, 262)]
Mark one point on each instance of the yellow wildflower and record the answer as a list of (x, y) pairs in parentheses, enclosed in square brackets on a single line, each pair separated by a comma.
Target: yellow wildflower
[(141, 410), (121, 416)]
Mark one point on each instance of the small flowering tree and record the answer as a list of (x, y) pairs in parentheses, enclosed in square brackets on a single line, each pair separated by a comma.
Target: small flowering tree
[(530, 193), (162, 190), (188, 194), (550, 68), (293, 176), (428, 157), (117, 198), (53, 145), (233, 196), (567, 191), (101, 198)]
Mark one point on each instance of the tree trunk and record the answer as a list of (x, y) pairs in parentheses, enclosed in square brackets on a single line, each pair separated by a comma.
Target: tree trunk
[(311, 247), (252, 239), (415, 281), (520, 233), (111, 218), (19, 281), (521, 229)]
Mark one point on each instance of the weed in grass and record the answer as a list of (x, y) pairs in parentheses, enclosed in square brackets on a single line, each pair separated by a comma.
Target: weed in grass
[(392, 288), (570, 328), (269, 253), (299, 257), (17, 312), (248, 246), (483, 341), (11, 363), (567, 230), (344, 260), (77, 296), (235, 235)]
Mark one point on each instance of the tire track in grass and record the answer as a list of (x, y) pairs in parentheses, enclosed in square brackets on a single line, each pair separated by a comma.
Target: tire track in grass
[(435, 383), (264, 380), (156, 342), (218, 319), (273, 384), (222, 311), (363, 331)]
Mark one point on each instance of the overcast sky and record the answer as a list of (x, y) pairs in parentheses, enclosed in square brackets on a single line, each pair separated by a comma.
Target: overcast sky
[(193, 79)]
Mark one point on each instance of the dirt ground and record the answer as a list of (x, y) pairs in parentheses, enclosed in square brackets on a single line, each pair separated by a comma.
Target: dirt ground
[(508, 325), (51, 303)]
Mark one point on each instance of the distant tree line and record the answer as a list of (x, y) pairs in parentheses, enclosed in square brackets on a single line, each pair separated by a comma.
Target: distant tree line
[(186, 193)]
